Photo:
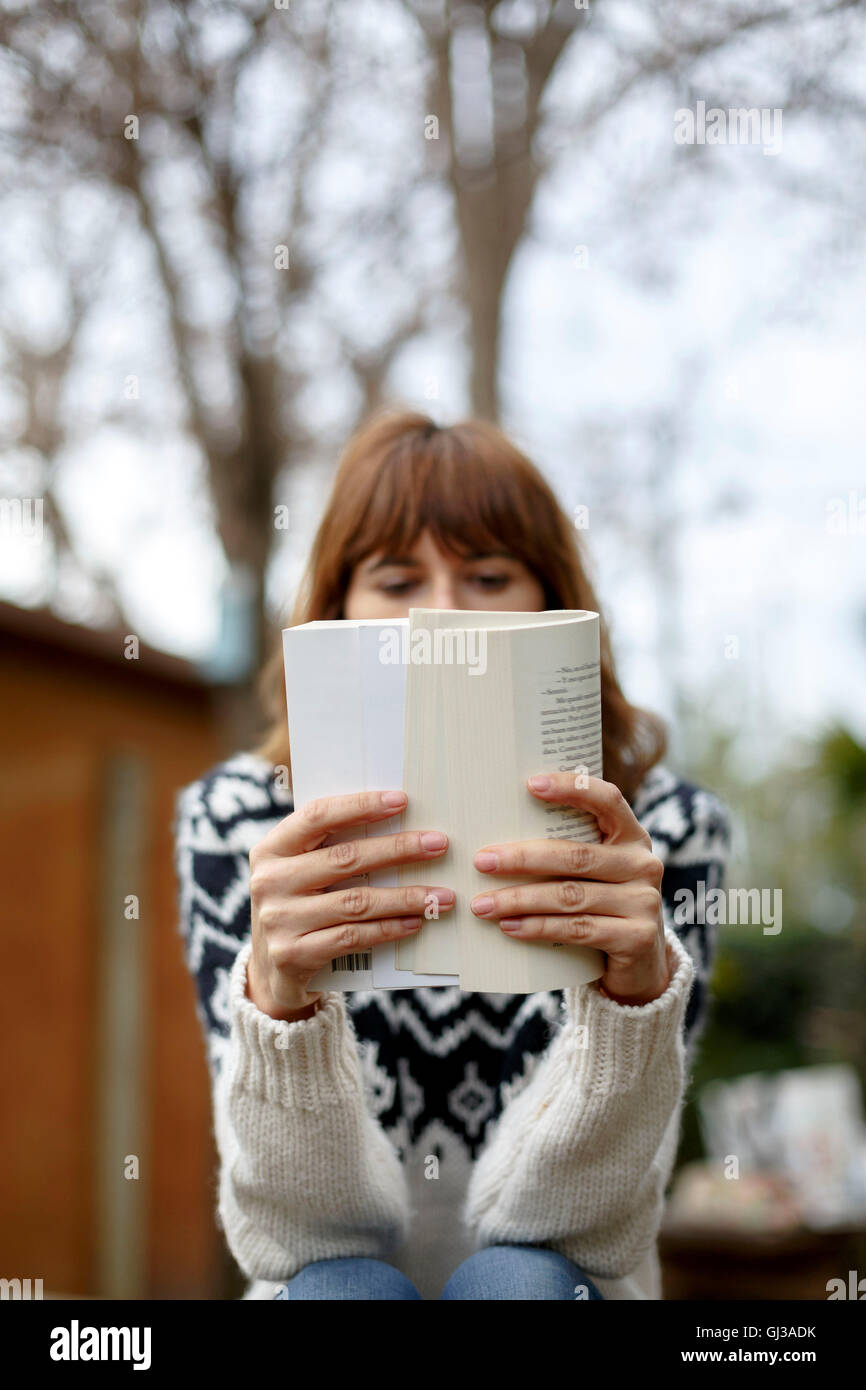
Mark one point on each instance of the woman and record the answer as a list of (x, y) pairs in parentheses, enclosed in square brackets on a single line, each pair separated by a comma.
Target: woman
[(433, 1143)]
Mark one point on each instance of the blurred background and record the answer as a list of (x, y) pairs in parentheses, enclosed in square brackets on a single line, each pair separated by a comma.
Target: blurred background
[(230, 230)]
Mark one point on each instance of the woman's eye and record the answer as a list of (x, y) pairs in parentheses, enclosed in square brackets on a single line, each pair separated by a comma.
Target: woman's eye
[(487, 581)]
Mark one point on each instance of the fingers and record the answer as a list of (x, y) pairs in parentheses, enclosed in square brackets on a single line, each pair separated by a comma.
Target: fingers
[(362, 902), (305, 928), (624, 939), (320, 867), (613, 863), (311, 913), (306, 955), (604, 800), (635, 901), (308, 825)]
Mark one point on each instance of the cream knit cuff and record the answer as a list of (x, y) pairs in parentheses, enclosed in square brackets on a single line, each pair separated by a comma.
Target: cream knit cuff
[(617, 1044), (304, 1065)]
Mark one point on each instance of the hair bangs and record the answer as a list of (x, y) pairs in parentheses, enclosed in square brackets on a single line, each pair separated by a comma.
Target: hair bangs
[(469, 502)]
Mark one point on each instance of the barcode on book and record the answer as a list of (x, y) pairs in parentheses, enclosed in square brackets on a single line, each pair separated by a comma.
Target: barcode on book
[(358, 960)]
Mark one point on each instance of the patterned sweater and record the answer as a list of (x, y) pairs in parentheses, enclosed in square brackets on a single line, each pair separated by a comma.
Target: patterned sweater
[(417, 1125)]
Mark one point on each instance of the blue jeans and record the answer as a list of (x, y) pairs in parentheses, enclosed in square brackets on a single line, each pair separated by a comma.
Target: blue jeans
[(496, 1272)]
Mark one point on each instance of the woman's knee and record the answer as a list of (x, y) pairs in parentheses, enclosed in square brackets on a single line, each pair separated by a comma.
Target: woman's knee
[(520, 1272), (350, 1278)]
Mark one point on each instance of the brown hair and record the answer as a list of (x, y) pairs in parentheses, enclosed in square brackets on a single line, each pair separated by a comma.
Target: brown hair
[(401, 474)]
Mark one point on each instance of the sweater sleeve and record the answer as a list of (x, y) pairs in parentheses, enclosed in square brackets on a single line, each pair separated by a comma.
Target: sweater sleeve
[(580, 1158), (306, 1172), (692, 831)]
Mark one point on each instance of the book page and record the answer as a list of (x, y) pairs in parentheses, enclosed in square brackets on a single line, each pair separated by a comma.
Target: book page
[(431, 655), (345, 709), (425, 780), (536, 708), (383, 684), (325, 714)]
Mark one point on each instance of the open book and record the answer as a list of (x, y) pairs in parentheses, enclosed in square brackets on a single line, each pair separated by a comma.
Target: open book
[(457, 708)]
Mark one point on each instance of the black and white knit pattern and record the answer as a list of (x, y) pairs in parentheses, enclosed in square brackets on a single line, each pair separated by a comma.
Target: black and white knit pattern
[(432, 1058)]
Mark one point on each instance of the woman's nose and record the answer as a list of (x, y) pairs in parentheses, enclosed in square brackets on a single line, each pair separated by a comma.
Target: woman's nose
[(445, 594)]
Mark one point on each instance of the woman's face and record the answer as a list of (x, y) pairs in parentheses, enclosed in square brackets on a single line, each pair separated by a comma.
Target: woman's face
[(386, 586)]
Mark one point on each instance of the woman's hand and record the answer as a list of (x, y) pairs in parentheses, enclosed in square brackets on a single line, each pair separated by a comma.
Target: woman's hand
[(606, 895), (297, 928)]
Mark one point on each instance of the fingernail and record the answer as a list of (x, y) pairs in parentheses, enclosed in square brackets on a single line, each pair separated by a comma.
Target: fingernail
[(481, 906), (539, 784), (433, 839), (485, 860), (443, 895), (510, 924), (393, 798)]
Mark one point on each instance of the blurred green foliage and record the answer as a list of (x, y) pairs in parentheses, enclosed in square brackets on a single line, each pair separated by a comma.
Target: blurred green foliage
[(796, 998)]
